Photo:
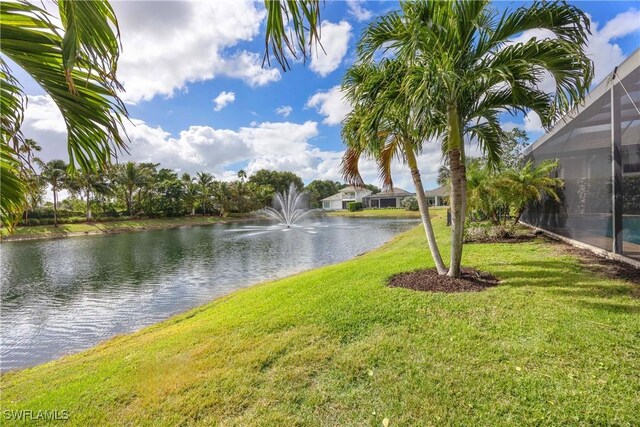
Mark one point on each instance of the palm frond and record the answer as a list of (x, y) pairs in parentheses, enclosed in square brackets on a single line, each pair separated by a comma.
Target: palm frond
[(303, 16), (12, 187)]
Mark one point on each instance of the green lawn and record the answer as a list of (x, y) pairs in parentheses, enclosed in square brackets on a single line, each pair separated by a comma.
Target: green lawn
[(554, 344), (41, 231)]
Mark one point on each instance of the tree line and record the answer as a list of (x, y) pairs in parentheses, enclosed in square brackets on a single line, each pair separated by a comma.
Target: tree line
[(146, 189)]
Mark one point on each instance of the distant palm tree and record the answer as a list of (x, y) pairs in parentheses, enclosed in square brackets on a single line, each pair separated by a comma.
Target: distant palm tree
[(222, 195), (191, 192), (89, 183), (204, 181), (186, 178), (132, 177), (55, 173), (465, 72), (28, 148)]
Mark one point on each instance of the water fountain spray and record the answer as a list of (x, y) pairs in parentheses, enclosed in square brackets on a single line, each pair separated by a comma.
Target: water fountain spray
[(287, 209)]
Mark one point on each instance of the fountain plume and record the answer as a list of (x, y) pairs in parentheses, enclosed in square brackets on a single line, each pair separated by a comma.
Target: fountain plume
[(287, 207)]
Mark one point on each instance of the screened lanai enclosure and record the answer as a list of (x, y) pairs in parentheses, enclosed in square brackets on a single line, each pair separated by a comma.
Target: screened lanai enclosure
[(598, 148)]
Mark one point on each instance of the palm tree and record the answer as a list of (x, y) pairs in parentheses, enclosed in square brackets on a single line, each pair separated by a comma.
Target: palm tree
[(465, 71), (485, 190), (89, 183), (191, 192), (204, 181), (74, 59), (531, 183), (383, 127), (27, 150), (222, 196), (55, 173), (131, 176)]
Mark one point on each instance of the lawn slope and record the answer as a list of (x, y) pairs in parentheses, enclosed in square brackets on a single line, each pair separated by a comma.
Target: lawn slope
[(553, 344)]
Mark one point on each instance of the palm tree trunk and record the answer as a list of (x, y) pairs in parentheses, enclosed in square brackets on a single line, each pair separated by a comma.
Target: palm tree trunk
[(458, 190), (423, 205), (88, 207), (129, 200), (518, 215), (55, 206)]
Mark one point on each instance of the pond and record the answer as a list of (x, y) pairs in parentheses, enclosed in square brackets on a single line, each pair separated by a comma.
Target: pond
[(61, 296)]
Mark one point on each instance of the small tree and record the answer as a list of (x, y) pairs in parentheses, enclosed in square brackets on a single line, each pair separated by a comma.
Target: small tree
[(55, 173), (410, 203)]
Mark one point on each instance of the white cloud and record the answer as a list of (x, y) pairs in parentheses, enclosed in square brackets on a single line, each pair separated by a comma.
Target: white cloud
[(621, 25), (167, 45), (284, 110), (223, 99), (602, 49), (273, 145), (358, 11), (532, 122), (335, 40), (44, 123), (330, 104)]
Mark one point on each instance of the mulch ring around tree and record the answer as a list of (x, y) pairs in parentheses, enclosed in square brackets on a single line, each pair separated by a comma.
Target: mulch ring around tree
[(430, 281)]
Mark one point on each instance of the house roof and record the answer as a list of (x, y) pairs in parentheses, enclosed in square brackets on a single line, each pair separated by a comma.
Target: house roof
[(440, 191), (394, 192), (628, 112), (350, 189), (337, 196), (353, 188)]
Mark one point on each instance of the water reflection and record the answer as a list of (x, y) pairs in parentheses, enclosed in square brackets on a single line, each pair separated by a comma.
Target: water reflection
[(60, 296)]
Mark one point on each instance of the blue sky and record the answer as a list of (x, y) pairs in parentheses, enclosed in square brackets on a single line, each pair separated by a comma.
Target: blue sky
[(178, 57)]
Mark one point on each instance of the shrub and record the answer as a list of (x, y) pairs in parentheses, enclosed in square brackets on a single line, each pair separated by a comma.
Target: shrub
[(354, 206), (410, 203), (491, 233)]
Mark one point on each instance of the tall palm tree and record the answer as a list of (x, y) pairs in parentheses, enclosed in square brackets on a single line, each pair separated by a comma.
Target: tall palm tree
[(204, 181), (74, 59), (466, 71), (55, 173), (383, 127), (27, 151)]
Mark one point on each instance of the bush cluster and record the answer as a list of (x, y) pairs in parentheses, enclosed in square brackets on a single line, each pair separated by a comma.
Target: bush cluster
[(488, 233), (410, 203), (354, 206)]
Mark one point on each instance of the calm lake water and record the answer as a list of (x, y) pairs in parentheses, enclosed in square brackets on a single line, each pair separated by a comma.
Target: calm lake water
[(62, 296)]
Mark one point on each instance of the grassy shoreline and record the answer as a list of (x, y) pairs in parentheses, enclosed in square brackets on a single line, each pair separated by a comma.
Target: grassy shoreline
[(133, 225), (383, 213), (552, 344), (110, 227)]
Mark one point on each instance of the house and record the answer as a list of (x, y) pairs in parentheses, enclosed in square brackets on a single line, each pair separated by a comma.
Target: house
[(344, 196), (387, 199), (438, 196)]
